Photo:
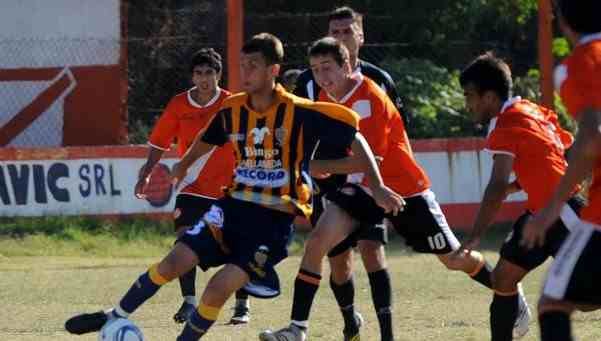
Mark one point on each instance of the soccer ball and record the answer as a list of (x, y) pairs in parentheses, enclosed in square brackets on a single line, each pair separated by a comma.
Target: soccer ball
[(120, 330)]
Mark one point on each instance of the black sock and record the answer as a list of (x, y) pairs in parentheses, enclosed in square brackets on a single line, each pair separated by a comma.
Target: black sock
[(241, 295), (187, 283), (503, 312), (305, 288), (484, 275), (555, 326), (381, 294), (144, 288), (345, 296)]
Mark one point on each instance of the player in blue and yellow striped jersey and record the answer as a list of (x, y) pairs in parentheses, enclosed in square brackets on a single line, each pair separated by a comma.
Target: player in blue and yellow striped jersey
[(274, 135)]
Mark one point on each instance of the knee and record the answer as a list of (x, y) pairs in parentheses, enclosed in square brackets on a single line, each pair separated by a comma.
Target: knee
[(372, 254), (341, 271), (504, 283), (216, 293)]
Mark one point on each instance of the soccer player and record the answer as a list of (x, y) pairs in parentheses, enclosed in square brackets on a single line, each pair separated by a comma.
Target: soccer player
[(422, 223), (526, 139), (273, 134), (574, 278), (346, 25), (185, 115)]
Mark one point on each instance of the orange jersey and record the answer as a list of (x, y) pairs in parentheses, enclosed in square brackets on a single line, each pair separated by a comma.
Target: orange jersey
[(383, 128), (273, 148), (578, 80), (532, 135), (182, 119)]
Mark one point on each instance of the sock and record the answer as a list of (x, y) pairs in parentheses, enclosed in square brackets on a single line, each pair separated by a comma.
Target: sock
[(144, 288), (200, 321), (187, 283), (503, 312), (305, 288), (482, 274), (381, 294), (242, 299), (345, 296), (555, 326)]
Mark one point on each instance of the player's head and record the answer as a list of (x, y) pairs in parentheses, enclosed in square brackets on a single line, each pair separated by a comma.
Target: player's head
[(205, 67), (329, 61), (289, 79), (260, 61), (346, 25), (578, 17), (486, 84)]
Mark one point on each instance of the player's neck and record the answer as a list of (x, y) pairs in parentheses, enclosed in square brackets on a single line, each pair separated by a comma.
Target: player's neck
[(262, 99), (203, 98), (354, 61), (344, 88)]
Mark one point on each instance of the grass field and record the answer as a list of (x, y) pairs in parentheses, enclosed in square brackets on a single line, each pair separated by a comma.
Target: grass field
[(39, 293)]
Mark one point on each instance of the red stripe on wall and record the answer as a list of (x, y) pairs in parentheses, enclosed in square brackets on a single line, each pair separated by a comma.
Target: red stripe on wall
[(448, 145), (137, 151), (20, 75)]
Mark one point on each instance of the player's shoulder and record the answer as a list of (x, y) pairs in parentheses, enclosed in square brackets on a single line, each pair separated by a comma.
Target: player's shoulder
[(376, 73), (234, 100), (332, 110)]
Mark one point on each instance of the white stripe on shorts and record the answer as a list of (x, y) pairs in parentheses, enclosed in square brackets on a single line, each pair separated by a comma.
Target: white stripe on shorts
[(437, 213), (560, 272)]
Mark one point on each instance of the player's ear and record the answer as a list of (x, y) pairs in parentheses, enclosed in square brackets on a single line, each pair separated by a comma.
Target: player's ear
[(275, 69)]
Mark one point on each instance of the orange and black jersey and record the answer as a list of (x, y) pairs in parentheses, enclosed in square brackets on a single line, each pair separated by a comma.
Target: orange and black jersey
[(273, 148)]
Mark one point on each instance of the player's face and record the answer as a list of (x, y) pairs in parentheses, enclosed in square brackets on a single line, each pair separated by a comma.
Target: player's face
[(348, 32), (205, 78), (476, 104), (255, 74), (328, 74)]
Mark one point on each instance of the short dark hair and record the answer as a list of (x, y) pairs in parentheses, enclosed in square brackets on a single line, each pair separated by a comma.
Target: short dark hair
[(291, 75), (346, 12), (268, 45), (329, 46), (206, 56), (488, 73), (581, 15)]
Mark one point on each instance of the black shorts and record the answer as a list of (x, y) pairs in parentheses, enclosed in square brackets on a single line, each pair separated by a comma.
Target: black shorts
[(528, 260), (575, 275), (189, 209), (245, 234), (422, 223)]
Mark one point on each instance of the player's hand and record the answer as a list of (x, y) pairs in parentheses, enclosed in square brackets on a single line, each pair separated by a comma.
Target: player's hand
[(389, 200), (143, 180), (178, 173), (535, 230), (320, 175)]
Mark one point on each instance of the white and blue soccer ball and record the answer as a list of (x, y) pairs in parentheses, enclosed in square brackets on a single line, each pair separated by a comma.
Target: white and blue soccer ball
[(120, 329)]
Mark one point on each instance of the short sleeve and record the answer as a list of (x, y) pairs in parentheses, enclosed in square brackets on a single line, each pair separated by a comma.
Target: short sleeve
[(165, 129), (216, 133), (503, 141), (580, 86)]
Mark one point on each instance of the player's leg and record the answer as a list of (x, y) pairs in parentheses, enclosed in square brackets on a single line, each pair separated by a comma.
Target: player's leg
[(333, 226), (572, 282), (180, 260), (241, 309), (188, 211), (220, 287), (371, 247), (504, 308), (343, 286)]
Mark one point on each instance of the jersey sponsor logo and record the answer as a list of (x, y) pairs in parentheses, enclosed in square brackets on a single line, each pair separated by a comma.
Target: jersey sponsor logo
[(261, 177), (266, 164), (363, 108), (237, 137), (258, 134), (261, 152)]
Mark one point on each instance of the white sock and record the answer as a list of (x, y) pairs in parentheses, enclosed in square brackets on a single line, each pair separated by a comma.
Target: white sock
[(191, 300)]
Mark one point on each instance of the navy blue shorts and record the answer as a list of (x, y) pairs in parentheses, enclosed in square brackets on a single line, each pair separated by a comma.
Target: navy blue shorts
[(245, 234), (189, 209)]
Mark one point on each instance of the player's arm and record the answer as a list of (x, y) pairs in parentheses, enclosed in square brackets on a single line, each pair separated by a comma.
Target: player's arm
[(496, 191), (583, 155), (154, 156), (363, 160), (204, 142)]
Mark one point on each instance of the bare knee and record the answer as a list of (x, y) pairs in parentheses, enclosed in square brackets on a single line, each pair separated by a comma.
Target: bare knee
[(223, 284), (506, 276), (341, 267), (373, 255), (180, 260)]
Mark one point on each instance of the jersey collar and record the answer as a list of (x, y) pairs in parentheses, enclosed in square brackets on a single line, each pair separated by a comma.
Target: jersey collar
[(209, 103), (508, 103), (356, 76), (589, 38)]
